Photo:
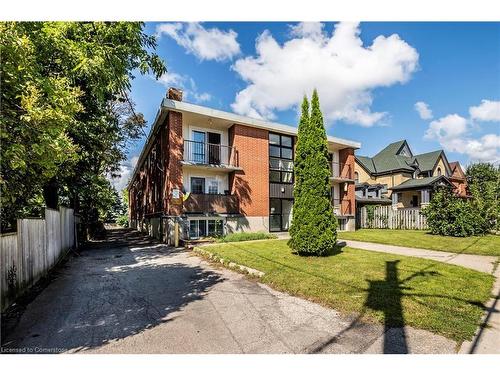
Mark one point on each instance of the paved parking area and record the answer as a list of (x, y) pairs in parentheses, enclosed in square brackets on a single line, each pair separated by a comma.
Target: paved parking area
[(129, 294)]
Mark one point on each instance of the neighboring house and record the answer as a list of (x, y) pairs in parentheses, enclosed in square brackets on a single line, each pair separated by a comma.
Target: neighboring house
[(214, 172), (371, 194), (408, 179), (458, 179)]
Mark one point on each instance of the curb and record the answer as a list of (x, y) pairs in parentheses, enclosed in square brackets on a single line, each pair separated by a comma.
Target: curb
[(228, 264)]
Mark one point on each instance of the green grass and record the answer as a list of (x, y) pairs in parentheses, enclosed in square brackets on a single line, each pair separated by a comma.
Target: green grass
[(397, 290), (249, 236), (484, 245)]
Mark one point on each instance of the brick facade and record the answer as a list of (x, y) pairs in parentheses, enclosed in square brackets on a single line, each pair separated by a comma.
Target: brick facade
[(251, 185), (175, 148), (348, 191)]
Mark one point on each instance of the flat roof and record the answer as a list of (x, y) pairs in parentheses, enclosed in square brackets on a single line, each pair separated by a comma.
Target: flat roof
[(244, 120), (174, 105)]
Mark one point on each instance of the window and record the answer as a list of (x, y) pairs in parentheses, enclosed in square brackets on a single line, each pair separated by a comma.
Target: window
[(197, 228), (274, 139), (286, 153), (274, 151), (281, 159), (213, 186), (356, 177), (439, 171), (197, 185), (215, 228), (203, 228)]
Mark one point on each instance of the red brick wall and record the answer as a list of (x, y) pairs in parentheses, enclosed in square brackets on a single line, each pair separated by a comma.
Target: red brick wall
[(175, 150), (252, 184), (348, 201)]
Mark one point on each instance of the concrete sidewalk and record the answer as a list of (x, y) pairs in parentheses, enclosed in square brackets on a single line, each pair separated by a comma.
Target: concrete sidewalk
[(487, 338), (481, 263)]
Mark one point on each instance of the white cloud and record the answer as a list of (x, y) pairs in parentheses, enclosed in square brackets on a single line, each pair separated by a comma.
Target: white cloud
[(187, 84), (453, 133), (423, 110), (206, 44), (448, 127), (339, 66), (487, 111)]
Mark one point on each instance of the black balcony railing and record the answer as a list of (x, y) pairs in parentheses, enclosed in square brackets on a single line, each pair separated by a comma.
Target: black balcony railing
[(210, 153)]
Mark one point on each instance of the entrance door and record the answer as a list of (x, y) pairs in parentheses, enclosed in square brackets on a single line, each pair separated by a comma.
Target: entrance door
[(280, 214), (214, 148)]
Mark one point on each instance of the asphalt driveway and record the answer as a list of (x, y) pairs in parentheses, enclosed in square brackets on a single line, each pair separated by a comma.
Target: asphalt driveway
[(129, 294)]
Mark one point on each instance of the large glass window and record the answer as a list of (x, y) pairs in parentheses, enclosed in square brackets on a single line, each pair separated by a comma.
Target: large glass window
[(280, 159)]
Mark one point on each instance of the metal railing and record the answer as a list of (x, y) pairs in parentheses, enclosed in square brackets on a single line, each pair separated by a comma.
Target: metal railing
[(342, 170), (211, 203), (210, 153)]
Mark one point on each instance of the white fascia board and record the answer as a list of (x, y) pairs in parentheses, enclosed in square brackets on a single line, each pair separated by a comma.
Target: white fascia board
[(243, 120), (174, 105)]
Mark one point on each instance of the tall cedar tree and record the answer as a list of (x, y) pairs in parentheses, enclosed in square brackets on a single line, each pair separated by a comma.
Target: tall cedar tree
[(314, 226)]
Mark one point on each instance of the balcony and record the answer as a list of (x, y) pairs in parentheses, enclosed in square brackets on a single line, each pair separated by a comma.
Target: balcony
[(209, 155), (341, 172), (211, 204), (342, 207)]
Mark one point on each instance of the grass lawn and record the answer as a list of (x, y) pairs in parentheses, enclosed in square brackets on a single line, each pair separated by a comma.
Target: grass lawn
[(391, 289), (485, 245)]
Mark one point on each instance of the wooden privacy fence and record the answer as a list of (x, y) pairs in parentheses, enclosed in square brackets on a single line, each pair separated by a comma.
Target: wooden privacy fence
[(30, 253), (384, 217)]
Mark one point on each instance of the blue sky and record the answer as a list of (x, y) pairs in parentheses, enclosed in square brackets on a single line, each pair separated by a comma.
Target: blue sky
[(368, 79)]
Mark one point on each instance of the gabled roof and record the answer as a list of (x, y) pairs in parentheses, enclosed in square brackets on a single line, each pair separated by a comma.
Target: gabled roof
[(416, 183), (391, 159), (388, 159), (456, 170), (427, 161), (367, 163)]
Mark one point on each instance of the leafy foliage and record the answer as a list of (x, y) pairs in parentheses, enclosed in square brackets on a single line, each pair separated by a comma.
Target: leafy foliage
[(483, 181), (66, 118), (314, 226), (449, 215), (246, 236)]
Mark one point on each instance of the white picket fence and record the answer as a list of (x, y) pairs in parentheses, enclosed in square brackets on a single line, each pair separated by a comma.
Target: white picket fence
[(28, 254), (385, 217)]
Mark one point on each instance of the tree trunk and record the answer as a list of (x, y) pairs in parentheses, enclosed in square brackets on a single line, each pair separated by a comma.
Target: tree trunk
[(51, 194)]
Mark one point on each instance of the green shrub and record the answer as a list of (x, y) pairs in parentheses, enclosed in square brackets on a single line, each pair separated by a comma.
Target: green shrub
[(246, 236), (314, 226), (448, 215), (122, 221)]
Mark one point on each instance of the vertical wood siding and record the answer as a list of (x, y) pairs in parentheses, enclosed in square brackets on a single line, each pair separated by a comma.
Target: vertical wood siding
[(30, 253)]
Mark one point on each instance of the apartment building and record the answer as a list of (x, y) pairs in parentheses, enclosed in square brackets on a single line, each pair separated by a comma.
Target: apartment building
[(210, 172)]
